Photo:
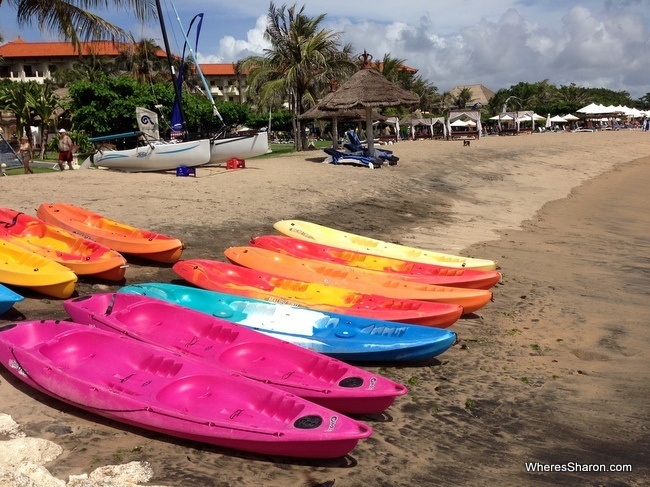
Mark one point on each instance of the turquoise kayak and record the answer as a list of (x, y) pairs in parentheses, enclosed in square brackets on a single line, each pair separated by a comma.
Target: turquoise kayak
[(345, 337)]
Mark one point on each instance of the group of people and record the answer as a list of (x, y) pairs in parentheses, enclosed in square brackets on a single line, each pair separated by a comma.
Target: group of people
[(66, 148)]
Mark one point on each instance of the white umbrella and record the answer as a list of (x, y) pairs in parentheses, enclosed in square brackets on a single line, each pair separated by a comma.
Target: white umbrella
[(459, 123), (570, 118), (558, 119)]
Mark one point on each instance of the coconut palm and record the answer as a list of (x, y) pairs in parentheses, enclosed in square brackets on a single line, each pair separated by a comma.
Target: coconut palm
[(71, 19), (14, 98), (43, 104), (302, 60)]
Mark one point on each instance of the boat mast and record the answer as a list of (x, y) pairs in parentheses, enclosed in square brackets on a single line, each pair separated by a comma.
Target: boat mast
[(208, 93), (177, 89)]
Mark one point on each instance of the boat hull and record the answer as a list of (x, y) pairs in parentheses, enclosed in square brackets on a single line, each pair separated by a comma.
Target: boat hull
[(337, 238), (155, 156), (227, 345), (346, 337), (360, 280), (8, 298), (81, 255), (427, 273), (116, 235), (240, 147), (20, 267), (149, 387), (233, 279)]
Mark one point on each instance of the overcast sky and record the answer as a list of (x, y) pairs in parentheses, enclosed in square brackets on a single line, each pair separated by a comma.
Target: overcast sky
[(498, 43)]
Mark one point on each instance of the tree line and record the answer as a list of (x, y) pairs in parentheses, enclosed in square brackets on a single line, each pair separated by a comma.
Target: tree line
[(303, 64)]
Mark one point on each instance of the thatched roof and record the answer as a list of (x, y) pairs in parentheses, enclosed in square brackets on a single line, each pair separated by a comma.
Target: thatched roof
[(353, 114), (368, 88)]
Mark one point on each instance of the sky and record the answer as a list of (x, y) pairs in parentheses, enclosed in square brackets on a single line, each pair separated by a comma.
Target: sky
[(496, 43)]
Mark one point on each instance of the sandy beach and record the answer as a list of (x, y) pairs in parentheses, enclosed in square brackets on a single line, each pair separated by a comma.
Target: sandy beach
[(552, 374)]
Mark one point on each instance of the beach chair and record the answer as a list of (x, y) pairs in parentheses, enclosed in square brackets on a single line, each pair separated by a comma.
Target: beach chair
[(355, 146), (339, 157)]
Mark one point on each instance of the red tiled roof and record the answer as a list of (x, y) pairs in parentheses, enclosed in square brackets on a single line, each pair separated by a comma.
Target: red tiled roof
[(19, 48), (222, 69)]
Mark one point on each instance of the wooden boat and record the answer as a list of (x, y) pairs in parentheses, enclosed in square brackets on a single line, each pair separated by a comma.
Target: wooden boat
[(118, 236), (83, 256), (224, 344), (136, 383), (8, 298), (356, 279), (346, 337), (153, 156), (233, 279), (350, 241), (429, 273), (20, 267)]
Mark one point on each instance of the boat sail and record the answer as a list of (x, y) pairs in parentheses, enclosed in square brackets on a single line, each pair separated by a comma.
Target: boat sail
[(155, 154), (224, 147)]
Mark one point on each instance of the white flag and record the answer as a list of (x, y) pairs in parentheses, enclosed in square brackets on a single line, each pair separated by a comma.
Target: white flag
[(147, 122)]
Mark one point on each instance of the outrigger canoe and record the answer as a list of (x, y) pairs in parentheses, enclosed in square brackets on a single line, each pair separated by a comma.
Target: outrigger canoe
[(345, 337), (233, 279), (226, 345), (83, 256), (429, 273), (8, 298), (20, 267), (139, 384), (356, 279), (350, 241), (118, 236)]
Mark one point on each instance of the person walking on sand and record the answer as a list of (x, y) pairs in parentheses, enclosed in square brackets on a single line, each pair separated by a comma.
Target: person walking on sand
[(65, 150), (26, 154)]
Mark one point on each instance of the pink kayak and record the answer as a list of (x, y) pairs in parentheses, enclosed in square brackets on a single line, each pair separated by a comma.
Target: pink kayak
[(220, 343), (153, 388)]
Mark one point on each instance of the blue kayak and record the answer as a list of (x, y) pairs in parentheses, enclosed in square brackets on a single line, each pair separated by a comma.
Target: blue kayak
[(8, 298), (344, 337)]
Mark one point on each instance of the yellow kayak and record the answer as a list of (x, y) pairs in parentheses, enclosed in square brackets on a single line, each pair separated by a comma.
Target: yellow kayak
[(20, 267), (336, 238)]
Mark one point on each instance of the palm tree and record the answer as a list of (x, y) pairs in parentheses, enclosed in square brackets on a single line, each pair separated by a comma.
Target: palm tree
[(463, 97), (91, 68), (14, 98), (141, 60), (43, 103), (300, 64), (71, 19)]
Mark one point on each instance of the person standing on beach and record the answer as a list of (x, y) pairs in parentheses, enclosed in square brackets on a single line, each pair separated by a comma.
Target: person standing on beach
[(26, 154), (65, 150)]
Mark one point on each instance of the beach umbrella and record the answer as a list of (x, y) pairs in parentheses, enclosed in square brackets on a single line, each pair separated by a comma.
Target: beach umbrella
[(558, 119), (459, 123), (368, 89), (570, 118)]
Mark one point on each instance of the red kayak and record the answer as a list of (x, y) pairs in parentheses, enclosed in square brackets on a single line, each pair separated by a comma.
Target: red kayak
[(232, 279), (427, 273)]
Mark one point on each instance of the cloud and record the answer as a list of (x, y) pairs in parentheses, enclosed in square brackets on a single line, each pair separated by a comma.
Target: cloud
[(595, 44), (231, 49)]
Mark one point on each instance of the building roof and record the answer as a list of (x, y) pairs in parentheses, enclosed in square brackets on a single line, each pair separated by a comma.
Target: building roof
[(19, 48), (480, 94), (220, 69)]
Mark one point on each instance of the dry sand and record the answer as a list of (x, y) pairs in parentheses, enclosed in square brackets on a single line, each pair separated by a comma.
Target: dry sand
[(553, 372)]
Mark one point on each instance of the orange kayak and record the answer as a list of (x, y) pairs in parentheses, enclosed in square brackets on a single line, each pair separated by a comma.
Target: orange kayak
[(418, 271), (233, 279), (115, 235), (20, 267), (356, 279), (79, 254)]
